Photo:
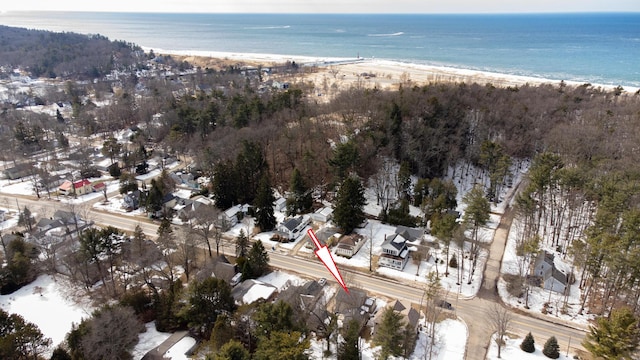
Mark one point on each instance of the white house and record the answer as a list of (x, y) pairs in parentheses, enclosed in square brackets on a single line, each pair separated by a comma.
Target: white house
[(280, 204), (233, 214), (322, 215), (550, 277), (349, 245), (395, 253), (293, 227)]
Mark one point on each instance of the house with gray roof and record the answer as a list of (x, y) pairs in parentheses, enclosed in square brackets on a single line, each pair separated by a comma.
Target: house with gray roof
[(395, 253), (410, 315), (411, 234), (349, 245), (219, 267), (551, 278)]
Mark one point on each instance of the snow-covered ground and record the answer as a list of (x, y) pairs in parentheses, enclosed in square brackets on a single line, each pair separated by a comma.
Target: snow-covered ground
[(450, 342), (539, 296), (511, 350), (52, 303), (115, 204), (178, 351), (148, 340)]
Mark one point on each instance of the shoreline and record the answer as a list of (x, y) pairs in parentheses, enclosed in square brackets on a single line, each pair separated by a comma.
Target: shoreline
[(384, 73)]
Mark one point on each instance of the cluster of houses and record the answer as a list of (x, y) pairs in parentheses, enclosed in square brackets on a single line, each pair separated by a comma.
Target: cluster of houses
[(310, 299)]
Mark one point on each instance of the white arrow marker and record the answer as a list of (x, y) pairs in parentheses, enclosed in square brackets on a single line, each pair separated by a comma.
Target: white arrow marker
[(323, 253)]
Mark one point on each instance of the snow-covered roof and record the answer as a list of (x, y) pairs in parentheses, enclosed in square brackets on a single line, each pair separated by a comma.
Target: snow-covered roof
[(232, 211), (252, 290)]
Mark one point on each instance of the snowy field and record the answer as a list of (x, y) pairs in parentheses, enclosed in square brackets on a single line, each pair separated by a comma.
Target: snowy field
[(52, 303), (512, 350)]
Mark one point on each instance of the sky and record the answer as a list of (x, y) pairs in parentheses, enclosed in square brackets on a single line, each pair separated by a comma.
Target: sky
[(328, 6)]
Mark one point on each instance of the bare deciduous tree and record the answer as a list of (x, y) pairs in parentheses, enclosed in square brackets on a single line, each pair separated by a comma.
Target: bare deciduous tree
[(113, 332), (203, 223), (499, 322)]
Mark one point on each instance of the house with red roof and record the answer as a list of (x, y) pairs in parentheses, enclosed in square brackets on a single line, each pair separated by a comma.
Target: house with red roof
[(79, 187)]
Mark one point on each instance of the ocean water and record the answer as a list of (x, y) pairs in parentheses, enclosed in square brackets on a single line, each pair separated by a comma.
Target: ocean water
[(601, 48)]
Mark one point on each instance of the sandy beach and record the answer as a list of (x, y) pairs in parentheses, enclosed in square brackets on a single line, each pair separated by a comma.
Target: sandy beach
[(331, 74)]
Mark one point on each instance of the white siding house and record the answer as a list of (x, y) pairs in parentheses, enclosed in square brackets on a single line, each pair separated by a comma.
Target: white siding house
[(322, 215), (294, 227), (395, 253), (349, 245), (550, 277)]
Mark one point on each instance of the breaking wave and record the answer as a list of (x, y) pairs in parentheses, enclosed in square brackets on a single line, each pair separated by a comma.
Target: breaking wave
[(386, 35), (267, 27)]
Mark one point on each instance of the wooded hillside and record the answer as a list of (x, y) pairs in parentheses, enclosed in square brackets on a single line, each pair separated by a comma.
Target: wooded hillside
[(66, 55)]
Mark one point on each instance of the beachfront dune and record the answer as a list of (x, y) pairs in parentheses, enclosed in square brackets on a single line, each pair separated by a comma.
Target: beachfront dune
[(343, 73)]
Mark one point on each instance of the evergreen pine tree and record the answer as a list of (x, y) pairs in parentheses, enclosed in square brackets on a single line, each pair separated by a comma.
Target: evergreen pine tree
[(59, 353), (389, 334), (551, 348), (300, 200), (232, 350), (242, 244), (224, 184), (257, 263), (528, 344), (349, 347), (264, 205), (615, 337), (350, 201)]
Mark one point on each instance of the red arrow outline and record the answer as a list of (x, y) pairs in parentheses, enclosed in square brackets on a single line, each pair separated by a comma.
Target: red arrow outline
[(323, 253)]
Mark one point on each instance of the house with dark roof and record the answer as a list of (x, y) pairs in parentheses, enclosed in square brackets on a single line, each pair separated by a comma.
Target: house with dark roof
[(411, 234), (306, 300), (395, 253), (7, 239), (550, 277), (219, 267), (349, 245), (410, 315), (18, 171), (349, 306), (326, 236), (293, 227), (131, 200)]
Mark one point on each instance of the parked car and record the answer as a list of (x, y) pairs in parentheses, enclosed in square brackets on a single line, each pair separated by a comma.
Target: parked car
[(322, 281), (445, 305)]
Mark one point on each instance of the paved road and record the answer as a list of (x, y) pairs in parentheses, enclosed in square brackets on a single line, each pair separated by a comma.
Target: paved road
[(472, 311)]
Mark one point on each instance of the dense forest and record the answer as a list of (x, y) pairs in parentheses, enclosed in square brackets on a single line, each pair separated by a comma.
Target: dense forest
[(65, 55)]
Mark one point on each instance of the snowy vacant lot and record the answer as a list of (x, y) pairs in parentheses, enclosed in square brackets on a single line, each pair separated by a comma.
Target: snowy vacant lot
[(512, 350), (52, 303)]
